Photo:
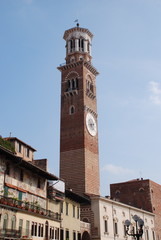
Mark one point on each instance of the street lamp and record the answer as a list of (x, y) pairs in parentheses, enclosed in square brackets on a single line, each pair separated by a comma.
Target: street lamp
[(138, 232)]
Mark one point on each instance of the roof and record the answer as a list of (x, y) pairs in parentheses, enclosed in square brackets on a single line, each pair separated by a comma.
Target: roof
[(113, 202), (131, 181), (78, 29), (17, 139), (76, 197), (27, 165)]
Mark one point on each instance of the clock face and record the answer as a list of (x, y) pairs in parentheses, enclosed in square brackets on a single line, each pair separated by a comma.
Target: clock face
[(91, 124)]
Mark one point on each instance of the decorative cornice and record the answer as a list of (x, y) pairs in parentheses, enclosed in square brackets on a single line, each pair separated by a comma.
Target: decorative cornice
[(77, 29), (75, 64), (88, 109), (71, 93)]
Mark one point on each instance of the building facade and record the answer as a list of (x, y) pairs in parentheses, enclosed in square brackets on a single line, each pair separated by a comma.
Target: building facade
[(110, 217), (24, 209), (33, 202), (141, 193)]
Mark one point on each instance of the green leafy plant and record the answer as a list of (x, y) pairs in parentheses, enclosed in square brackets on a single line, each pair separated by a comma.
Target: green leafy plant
[(7, 144)]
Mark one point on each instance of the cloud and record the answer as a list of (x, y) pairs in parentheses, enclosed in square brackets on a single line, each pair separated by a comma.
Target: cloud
[(115, 170), (155, 91)]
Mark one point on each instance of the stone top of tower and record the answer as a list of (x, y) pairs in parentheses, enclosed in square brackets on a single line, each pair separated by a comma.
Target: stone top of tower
[(75, 31)]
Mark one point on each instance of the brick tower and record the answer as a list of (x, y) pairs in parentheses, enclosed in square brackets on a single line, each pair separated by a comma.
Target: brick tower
[(79, 164)]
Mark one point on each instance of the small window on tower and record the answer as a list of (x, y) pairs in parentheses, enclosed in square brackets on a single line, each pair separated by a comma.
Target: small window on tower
[(71, 110)]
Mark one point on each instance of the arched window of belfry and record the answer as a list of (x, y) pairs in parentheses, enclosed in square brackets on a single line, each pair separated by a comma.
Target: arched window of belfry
[(72, 45), (81, 45), (72, 84)]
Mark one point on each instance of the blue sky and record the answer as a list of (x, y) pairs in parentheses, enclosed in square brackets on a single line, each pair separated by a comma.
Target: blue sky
[(126, 51)]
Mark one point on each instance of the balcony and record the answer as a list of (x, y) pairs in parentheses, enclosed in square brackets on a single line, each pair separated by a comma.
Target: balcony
[(28, 207), (15, 234), (10, 233)]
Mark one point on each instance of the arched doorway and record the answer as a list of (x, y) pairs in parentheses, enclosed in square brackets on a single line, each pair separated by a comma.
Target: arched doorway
[(86, 236)]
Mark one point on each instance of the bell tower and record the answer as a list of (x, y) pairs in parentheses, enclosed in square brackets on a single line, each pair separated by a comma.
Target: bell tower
[(79, 163)]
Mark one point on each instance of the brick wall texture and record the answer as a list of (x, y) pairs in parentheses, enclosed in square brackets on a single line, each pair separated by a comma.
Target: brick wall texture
[(79, 164)]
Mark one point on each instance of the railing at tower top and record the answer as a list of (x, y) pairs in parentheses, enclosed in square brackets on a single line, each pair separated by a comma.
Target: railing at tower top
[(28, 207)]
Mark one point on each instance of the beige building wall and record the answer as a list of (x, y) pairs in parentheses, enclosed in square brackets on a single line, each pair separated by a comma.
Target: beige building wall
[(24, 221), (70, 221), (115, 212)]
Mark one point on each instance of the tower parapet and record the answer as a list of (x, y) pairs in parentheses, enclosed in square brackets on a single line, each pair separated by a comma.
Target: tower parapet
[(78, 44)]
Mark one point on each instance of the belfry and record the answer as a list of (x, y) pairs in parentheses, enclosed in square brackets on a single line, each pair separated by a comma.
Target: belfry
[(79, 160)]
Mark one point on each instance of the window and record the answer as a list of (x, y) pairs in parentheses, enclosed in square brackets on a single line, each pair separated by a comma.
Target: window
[(72, 45), (115, 228), (124, 230), (147, 234), (20, 225), (79, 236), (38, 183), (32, 229), (56, 233), (153, 233), (27, 227), (51, 232), (90, 87), (8, 169), (72, 84), (21, 175), (71, 110), (61, 207), (73, 211), (39, 230), (67, 235), (42, 230), (19, 147), (27, 152), (81, 45), (66, 208), (5, 221), (13, 222), (78, 212), (105, 226), (74, 235), (35, 229), (61, 234)]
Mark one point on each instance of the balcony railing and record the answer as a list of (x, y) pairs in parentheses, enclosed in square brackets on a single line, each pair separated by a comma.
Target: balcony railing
[(28, 207), (10, 233), (23, 234)]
